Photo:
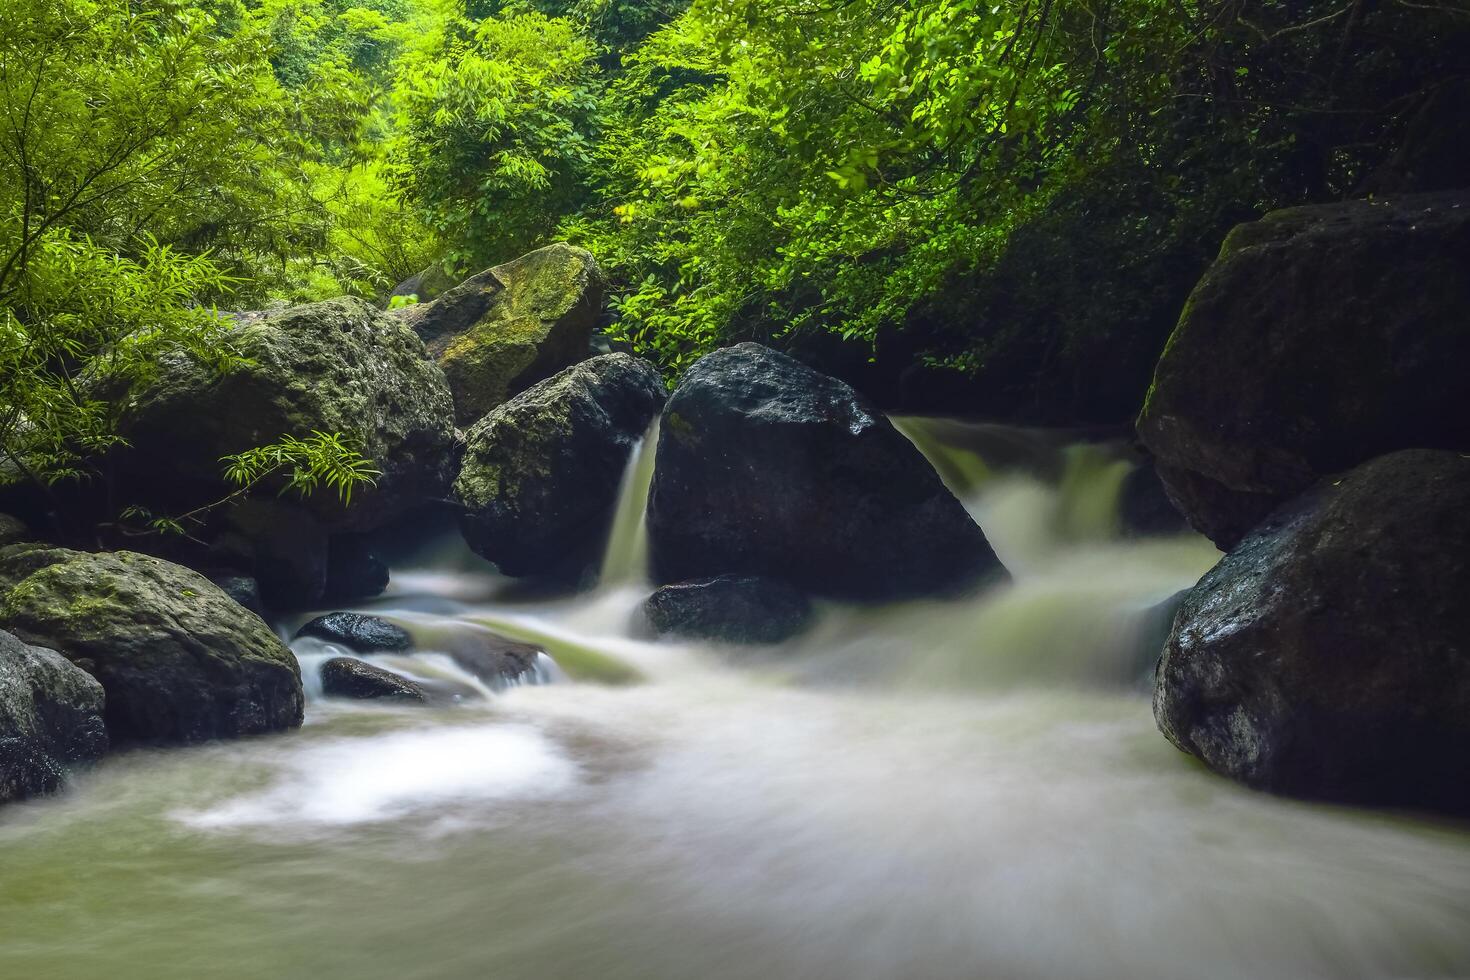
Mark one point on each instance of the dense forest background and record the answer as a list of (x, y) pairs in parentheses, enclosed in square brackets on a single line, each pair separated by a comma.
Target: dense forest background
[(960, 205)]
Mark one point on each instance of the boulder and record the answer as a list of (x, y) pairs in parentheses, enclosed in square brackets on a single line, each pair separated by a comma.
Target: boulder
[(541, 473), (179, 660), (1322, 336), (503, 330), (345, 677), (1328, 655), (13, 530), (338, 366), (766, 467), (729, 608), (362, 633), (50, 719)]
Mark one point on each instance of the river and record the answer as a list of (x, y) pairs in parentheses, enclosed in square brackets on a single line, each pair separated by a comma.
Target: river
[(963, 789)]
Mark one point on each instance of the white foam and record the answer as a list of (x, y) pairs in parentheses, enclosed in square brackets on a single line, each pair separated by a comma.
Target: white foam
[(385, 777)]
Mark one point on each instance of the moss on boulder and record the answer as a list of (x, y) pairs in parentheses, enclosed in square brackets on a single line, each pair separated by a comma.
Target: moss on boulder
[(507, 328), (50, 719), (180, 661), (334, 366)]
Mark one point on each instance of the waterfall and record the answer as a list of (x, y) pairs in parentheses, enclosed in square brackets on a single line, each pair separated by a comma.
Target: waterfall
[(625, 562)]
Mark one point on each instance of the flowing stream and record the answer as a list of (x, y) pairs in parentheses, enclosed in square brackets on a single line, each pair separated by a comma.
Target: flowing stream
[(962, 789)]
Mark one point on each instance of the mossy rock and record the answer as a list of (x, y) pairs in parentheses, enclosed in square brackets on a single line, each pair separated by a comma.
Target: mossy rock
[(50, 719), (541, 473), (179, 660), (508, 327), (334, 366)]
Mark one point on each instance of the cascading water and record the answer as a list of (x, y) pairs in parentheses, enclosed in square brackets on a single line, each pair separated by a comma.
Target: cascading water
[(930, 789), (626, 559)]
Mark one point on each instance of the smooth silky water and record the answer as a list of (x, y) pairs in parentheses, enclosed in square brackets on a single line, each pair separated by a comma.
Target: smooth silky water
[(968, 789)]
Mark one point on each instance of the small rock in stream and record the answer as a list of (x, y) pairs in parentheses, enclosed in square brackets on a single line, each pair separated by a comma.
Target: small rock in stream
[(358, 631), (344, 677)]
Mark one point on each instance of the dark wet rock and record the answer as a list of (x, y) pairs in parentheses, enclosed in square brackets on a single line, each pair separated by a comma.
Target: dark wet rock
[(242, 588), (13, 531), (541, 473), (50, 719), (362, 633), (345, 677), (354, 570), (179, 660), (729, 608), (338, 366), (1322, 336), (1328, 655), (503, 330), (1144, 507), (766, 467)]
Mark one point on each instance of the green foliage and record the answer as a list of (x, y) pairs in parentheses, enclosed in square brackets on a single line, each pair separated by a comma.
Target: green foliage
[(94, 324), (320, 460), (496, 122)]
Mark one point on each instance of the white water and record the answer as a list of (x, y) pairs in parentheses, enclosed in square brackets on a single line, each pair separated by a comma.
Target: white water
[(933, 790)]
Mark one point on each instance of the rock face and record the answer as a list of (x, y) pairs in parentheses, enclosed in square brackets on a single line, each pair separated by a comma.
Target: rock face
[(50, 719), (505, 329), (179, 660), (541, 473), (1322, 337), (344, 677), (766, 467), (1328, 655), (354, 571), (364, 634), (335, 366), (729, 608), (12, 530)]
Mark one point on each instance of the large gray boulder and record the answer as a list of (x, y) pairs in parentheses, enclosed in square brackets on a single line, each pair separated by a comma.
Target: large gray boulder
[(1328, 655), (338, 366), (1322, 336), (50, 719), (179, 660), (503, 330), (541, 473), (767, 467)]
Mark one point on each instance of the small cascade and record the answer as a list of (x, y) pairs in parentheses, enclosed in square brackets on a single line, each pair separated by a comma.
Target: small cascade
[(625, 562)]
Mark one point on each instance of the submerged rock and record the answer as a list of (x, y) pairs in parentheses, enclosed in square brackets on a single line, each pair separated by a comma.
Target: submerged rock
[(345, 677), (1328, 655), (50, 719), (336, 366), (501, 331), (1322, 336), (362, 633), (766, 467), (541, 473), (729, 608), (179, 660), (493, 659)]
